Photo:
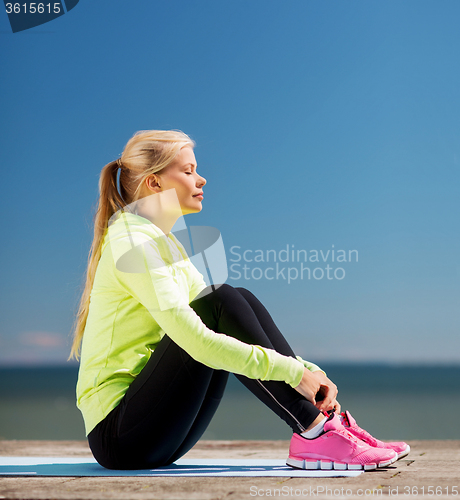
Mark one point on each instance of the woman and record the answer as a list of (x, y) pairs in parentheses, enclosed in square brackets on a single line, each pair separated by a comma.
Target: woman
[(157, 344)]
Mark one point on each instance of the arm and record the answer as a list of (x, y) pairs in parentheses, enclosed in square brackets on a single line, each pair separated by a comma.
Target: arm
[(156, 289)]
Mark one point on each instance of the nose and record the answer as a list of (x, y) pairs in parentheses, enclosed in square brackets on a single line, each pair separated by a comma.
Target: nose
[(201, 181)]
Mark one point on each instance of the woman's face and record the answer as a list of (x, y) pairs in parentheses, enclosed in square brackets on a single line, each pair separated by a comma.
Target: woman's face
[(182, 176)]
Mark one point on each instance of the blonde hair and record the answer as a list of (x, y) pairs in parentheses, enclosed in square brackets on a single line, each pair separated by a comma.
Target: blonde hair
[(146, 153)]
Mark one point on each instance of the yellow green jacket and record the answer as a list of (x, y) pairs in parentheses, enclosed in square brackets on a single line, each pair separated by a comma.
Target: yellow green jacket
[(142, 288)]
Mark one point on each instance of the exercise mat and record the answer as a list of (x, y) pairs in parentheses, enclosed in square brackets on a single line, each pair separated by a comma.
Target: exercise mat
[(205, 467)]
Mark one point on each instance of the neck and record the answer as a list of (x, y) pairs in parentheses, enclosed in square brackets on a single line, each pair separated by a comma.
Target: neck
[(162, 209), (164, 223)]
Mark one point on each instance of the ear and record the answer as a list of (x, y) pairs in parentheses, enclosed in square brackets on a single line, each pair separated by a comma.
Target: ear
[(152, 182)]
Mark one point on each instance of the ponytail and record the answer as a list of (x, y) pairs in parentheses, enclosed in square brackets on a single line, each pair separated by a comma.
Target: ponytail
[(110, 201)]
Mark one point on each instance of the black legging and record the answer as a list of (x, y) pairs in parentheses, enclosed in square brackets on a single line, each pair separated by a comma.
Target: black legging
[(169, 405)]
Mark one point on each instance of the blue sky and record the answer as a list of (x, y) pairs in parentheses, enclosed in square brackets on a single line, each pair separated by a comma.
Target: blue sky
[(318, 125)]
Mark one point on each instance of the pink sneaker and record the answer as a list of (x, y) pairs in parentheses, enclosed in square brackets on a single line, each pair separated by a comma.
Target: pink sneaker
[(336, 449), (402, 449)]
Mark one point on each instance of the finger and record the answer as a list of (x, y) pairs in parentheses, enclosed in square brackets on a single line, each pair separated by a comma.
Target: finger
[(333, 390), (334, 397), (330, 406), (335, 407), (327, 401), (319, 406), (310, 396)]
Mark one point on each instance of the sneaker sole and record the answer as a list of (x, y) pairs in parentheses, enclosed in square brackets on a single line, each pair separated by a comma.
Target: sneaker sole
[(404, 453), (329, 465)]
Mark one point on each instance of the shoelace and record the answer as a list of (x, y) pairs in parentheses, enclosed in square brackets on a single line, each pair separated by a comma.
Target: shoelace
[(348, 435), (363, 431), (346, 423), (366, 434)]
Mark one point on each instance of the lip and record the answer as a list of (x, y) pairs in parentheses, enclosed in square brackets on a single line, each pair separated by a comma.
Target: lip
[(199, 195)]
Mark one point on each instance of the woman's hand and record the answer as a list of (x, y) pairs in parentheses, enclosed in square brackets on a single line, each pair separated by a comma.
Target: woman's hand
[(315, 385), (309, 386), (327, 394)]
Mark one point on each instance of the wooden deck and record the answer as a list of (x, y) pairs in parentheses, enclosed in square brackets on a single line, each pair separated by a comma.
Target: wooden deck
[(431, 470)]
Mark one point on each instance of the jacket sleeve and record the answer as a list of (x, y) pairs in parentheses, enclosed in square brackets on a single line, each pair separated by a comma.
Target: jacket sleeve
[(148, 278), (310, 366), (198, 283)]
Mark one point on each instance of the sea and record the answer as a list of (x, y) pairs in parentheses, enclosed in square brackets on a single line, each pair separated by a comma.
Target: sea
[(392, 402)]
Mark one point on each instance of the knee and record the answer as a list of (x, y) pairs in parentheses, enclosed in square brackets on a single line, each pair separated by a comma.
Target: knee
[(220, 290), (229, 290), (224, 292), (244, 291), (224, 289)]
